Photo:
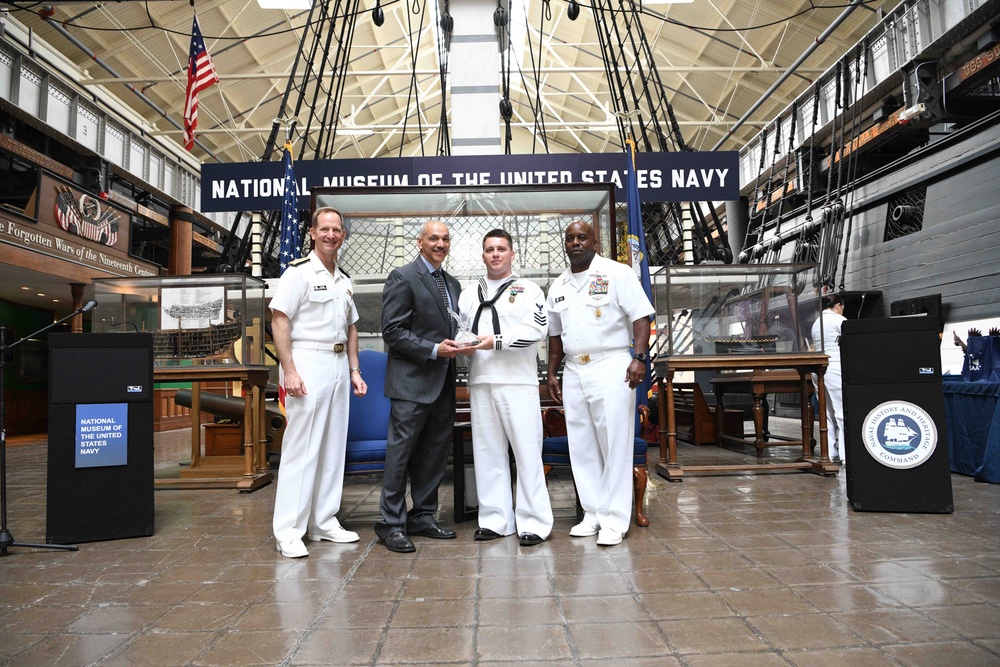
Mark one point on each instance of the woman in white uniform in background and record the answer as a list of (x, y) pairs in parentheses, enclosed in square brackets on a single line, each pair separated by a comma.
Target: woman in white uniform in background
[(826, 338)]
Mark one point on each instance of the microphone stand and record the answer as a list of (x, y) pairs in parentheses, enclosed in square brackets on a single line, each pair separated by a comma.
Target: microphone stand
[(6, 539)]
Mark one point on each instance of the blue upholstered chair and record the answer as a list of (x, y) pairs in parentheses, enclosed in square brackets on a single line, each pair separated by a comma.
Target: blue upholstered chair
[(368, 424), (555, 452)]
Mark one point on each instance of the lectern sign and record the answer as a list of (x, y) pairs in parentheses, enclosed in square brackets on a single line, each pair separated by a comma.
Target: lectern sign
[(101, 435), (899, 434)]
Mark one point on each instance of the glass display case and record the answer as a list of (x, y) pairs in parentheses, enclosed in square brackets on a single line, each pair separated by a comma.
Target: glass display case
[(383, 224), (758, 309), (195, 320)]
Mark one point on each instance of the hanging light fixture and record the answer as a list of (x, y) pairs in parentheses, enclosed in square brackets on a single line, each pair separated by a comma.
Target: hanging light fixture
[(378, 16)]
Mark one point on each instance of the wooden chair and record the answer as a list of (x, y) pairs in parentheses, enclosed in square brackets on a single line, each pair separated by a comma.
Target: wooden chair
[(555, 452)]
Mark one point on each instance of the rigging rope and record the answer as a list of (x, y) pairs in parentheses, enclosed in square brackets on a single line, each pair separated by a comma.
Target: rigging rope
[(414, 50), (853, 158), (445, 26), (501, 23), (775, 246)]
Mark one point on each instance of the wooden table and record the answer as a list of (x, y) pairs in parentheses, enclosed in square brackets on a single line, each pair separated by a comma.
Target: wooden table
[(773, 372), (759, 384), (247, 472)]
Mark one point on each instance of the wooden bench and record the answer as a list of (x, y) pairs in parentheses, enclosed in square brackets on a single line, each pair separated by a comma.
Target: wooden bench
[(696, 421)]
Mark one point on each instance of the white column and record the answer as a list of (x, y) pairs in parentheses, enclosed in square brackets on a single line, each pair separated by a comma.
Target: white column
[(687, 231), (255, 244), (474, 79)]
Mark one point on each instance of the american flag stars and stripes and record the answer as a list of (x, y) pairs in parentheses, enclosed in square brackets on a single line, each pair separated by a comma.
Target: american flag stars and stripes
[(201, 75), (291, 245)]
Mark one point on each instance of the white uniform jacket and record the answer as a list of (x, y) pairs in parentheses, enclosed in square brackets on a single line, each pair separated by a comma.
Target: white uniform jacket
[(596, 315), (319, 305), (517, 319)]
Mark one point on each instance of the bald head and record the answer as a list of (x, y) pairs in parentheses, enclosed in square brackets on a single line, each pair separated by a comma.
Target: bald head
[(580, 245), (434, 242)]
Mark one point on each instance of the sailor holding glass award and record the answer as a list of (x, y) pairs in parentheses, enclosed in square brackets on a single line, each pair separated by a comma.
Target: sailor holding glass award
[(464, 337), (505, 316)]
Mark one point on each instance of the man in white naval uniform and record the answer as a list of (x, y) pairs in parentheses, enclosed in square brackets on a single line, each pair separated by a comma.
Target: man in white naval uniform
[(596, 308), (508, 314), (313, 316), (826, 338)]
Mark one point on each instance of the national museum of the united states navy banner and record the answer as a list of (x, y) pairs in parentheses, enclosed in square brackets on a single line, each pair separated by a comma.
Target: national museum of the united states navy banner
[(688, 176)]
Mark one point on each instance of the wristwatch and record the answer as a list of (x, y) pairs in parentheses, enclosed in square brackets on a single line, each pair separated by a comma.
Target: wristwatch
[(641, 356)]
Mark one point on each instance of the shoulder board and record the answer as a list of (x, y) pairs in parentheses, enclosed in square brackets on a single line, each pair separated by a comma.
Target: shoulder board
[(300, 260), (346, 274)]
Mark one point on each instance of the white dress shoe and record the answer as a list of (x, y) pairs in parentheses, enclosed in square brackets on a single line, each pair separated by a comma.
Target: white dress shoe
[(583, 529), (292, 549), (609, 537), (338, 535)]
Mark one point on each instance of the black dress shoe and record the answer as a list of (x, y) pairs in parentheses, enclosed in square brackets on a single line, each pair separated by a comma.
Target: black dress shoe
[(397, 542), (484, 534), (529, 539), (435, 531)]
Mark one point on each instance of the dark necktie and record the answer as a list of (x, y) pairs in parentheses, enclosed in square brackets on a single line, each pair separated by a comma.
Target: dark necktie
[(439, 281)]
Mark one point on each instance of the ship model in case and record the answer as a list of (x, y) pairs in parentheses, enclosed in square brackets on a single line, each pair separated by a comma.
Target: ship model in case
[(215, 340), (195, 320)]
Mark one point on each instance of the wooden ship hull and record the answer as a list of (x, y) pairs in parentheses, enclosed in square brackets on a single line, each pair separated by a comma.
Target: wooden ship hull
[(212, 341)]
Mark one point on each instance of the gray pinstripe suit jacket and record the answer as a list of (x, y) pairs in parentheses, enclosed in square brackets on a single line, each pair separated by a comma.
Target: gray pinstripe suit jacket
[(413, 321)]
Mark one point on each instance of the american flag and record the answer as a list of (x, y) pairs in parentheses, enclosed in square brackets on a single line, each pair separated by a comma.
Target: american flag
[(291, 247), (201, 75)]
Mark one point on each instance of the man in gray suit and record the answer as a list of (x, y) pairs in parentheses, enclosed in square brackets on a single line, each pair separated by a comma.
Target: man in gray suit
[(420, 381)]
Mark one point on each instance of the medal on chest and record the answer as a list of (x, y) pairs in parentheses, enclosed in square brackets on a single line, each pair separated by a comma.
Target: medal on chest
[(514, 291), (597, 313)]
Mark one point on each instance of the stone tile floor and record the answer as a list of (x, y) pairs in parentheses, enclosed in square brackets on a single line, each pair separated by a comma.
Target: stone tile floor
[(733, 570)]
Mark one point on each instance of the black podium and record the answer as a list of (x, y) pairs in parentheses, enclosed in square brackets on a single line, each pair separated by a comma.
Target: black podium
[(897, 447), (100, 468)]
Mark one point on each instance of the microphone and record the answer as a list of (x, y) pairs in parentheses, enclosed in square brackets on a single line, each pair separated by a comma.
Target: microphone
[(89, 306)]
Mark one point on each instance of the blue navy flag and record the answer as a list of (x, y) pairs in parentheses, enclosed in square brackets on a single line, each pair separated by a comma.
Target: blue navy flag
[(291, 245), (636, 241)]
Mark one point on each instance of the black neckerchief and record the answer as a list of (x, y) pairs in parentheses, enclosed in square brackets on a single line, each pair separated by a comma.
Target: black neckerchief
[(483, 303)]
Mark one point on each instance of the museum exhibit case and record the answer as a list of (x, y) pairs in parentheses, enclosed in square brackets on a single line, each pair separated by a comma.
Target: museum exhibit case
[(383, 224), (206, 329), (715, 309), (203, 320), (743, 329)]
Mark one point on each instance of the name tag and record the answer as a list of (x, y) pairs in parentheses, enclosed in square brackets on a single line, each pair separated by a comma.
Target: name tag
[(319, 288)]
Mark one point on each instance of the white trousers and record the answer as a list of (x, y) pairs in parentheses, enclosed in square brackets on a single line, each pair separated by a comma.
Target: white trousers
[(500, 414), (836, 442), (313, 450), (600, 425)]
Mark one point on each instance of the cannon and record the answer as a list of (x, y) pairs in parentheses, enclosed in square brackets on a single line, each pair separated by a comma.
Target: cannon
[(231, 407)]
